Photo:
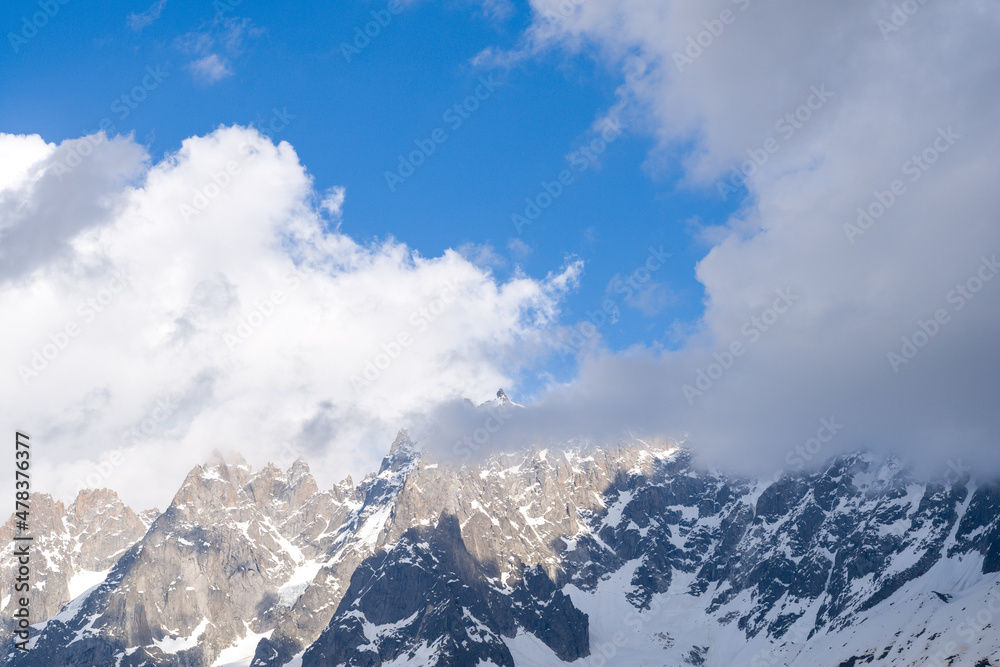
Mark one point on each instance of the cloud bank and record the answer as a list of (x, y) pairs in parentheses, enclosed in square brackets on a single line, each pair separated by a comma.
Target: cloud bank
[(857, 281)]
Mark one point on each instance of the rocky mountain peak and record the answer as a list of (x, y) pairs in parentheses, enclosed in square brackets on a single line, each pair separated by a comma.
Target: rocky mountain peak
[(91, 502), (227, 459), (501, 401), (402, 445), (402, 456), (298, 470), (285, 489), (149, 516)]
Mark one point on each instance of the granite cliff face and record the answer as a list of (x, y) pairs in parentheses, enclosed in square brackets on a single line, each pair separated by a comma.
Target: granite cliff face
[(624, 555)]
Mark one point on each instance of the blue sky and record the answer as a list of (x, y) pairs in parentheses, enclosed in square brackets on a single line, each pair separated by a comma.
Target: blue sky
[(349, 122)]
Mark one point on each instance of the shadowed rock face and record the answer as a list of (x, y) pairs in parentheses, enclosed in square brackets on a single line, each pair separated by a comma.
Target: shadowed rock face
[(429, 563), (428, 590)]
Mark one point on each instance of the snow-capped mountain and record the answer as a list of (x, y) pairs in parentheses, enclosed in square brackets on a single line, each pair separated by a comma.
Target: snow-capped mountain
[(624, 555)]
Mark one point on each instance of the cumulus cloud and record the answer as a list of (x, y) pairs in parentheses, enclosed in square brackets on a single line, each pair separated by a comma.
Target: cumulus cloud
[(812, 112), (209, 301), (48, 200)]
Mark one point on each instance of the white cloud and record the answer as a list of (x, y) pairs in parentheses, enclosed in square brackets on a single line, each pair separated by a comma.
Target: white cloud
[(218, 44), (498, 9), (518, 248), (139, 21), (208, 305), (716, 105), (211, 68), (51, 196), (333, 202)]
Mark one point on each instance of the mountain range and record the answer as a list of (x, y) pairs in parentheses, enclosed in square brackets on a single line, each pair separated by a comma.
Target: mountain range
[(626, 554)]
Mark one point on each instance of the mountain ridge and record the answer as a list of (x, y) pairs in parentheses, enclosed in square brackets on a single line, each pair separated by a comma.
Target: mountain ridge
[(521, 557)]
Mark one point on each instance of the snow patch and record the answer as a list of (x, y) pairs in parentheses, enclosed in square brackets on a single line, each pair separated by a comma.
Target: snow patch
[(368, 534), (177, 644), (241, 653), (84, 581), (296, 585)]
